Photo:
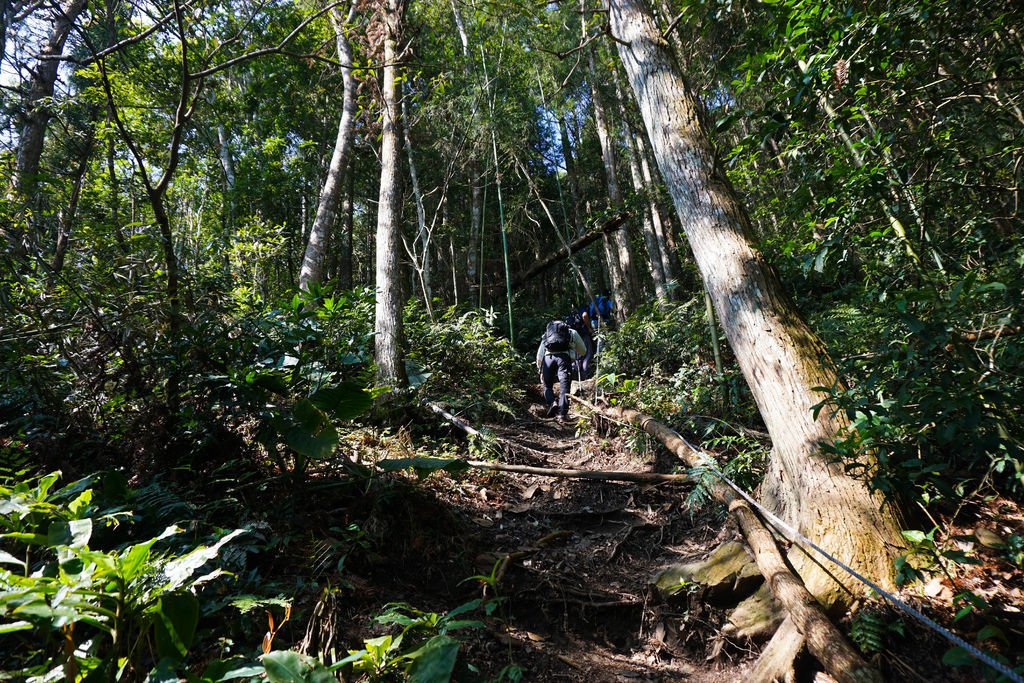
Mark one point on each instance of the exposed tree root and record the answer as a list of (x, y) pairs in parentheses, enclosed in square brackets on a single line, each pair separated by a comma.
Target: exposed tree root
[(823, 639), (755, 618), (814, 629), (728, 571), (776, 660)]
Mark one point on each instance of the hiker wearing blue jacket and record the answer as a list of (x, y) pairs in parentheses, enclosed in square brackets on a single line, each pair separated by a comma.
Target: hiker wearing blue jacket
[(601, 309), (560, 346)]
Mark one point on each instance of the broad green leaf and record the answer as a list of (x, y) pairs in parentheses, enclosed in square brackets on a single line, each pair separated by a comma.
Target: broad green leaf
[(914, 536), (45, 484), (415, 374), (285, 666), (75, 533), (435, 661), (179, 570), (957, 656), (312, 433), (457, 624), (992, 632), (229, 670), (133, 560), (344, 401), (177, 615), (465, 607), (15, 626), (164, 672), (271, 381), (28, 538), (7, 558), (81, 503)]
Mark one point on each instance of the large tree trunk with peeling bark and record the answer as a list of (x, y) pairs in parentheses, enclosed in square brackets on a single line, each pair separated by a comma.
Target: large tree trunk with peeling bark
[(311, 271), (780, 357), (388, 310)]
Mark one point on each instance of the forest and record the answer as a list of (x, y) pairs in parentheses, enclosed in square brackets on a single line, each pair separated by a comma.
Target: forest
[(273, 279)]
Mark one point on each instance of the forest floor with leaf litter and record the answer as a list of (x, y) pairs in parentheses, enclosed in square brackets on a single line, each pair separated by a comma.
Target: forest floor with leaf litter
[(572, 564)]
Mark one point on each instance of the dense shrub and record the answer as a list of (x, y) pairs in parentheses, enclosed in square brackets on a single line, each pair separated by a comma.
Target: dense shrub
[(461, 360)]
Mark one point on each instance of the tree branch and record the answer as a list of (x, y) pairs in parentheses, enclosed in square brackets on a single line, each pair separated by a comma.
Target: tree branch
[(611, 224), (278, 49)]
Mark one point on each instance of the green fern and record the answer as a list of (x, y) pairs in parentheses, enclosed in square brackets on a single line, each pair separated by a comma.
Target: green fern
[(700, 494), (870, 631)]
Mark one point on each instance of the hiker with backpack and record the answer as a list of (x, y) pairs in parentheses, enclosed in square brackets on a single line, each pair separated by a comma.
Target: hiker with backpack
[(602, 310), (579, 320), (560, 346)]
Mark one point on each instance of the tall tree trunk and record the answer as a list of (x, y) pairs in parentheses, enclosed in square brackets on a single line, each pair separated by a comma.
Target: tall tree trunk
[(612, 247), (641, 189), (311, 271), (571, 180), (228, 210), (476, 176), (36, 115), (341, 255), (669, 266), (780, 357), (420, 251), (476, 214), (6, 12), (388, 309)]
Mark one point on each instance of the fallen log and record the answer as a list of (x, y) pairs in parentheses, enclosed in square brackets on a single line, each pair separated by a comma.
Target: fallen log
[(596, 475), (821, 636), (568, 250)]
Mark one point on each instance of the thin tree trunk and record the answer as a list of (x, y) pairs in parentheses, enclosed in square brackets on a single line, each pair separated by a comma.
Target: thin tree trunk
[(348, 274), (68, 212), (227, 164), (571, 180), (476, 214), (613, 253), (311, 271), (6, 12), (388, 310), (420, 251), (668, 265), (476, 176), (780, 357), (650, 239), (110, 20)]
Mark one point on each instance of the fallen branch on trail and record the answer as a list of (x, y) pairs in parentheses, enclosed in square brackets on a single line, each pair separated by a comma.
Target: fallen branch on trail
[(597, 475), (565, 252), (455, 420), (563, 473), (820, 635)]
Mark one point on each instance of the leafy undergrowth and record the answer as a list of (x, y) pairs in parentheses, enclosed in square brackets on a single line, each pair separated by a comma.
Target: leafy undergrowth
[(386, 575)]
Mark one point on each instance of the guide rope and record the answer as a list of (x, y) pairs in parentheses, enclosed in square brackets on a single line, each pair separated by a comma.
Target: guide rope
[(795, 536)]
